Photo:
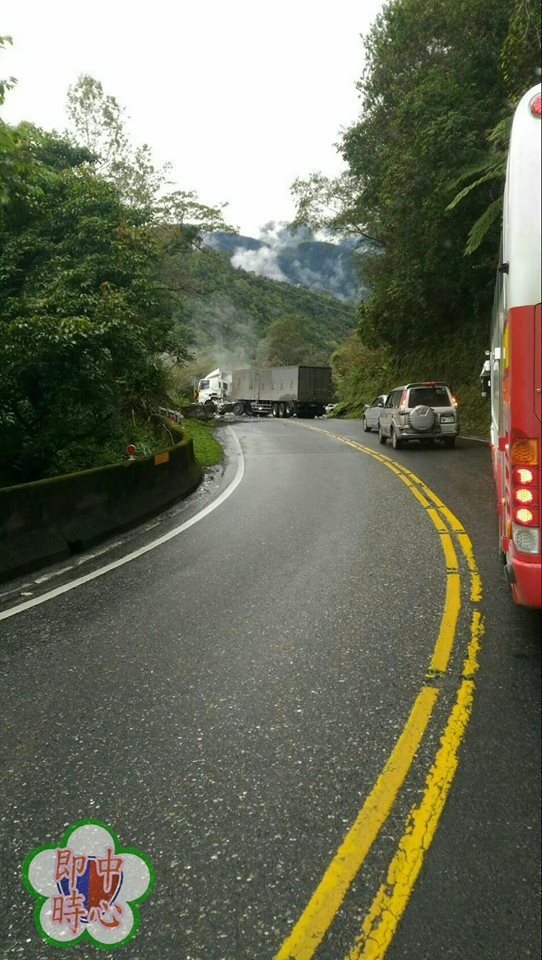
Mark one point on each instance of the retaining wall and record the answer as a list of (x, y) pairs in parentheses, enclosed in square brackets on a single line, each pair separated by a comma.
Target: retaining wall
[(44, 521)]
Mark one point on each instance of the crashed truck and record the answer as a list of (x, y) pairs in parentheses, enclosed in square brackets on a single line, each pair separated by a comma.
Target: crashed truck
[(276, 391)]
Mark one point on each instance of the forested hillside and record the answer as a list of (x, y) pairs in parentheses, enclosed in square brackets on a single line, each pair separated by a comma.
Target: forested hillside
[(424, 179), (298, 257), (110, 301), (235, 317)]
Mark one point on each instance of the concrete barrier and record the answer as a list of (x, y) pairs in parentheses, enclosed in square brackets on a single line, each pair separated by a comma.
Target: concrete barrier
[(44, 521)]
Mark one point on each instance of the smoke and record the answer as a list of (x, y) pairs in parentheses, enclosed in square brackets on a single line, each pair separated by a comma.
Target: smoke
[(263, 262), (224, 336)]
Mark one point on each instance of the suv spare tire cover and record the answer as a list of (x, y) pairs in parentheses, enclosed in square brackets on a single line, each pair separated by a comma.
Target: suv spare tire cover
[(422, 418)]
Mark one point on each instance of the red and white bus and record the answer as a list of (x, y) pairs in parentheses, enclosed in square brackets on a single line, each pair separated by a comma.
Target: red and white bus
[(515, 359)]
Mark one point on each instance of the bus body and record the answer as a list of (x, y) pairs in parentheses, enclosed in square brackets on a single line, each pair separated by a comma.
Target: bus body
[(515, 359)]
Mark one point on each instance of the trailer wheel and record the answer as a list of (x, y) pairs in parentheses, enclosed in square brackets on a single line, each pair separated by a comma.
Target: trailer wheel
[(275, 410), (281, 409), (290, 409)]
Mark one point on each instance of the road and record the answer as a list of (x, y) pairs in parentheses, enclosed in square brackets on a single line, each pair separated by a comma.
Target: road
[(315, 678)]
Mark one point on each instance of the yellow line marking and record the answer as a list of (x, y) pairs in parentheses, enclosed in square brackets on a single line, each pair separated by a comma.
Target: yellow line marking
[(456, 526), (449, 552), (471, 664), (392, 898), (437, 520), (319, 913), (475, 581), (448, 625)]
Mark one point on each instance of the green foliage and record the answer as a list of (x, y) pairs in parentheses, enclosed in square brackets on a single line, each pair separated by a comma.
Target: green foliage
[(360, 373), (20, 176), (520, 54), (109, 446), (520, 62), (230, 311), (207, 450), (287, 341), (436, 104), (83, 316), (10, 82)]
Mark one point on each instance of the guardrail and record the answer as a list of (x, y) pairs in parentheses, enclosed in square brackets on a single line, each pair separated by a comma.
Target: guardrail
[(175, 415)]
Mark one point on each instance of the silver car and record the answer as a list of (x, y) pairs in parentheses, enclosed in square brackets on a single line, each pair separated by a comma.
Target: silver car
[(424, 411), (372, 413)]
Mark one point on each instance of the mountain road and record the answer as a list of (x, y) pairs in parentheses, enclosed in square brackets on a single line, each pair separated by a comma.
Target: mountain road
[(304, 694)]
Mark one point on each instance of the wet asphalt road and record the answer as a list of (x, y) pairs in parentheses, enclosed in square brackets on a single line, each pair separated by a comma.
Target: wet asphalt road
[(226, 702)]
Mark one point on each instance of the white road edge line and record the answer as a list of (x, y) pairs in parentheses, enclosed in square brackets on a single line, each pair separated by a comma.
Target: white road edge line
[(12, 611)]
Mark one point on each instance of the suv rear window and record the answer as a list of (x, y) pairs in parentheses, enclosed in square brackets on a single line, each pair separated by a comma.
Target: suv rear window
[(429, 397)]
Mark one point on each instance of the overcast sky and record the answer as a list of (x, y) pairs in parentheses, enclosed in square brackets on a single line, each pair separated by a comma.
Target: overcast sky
[(241, 96)]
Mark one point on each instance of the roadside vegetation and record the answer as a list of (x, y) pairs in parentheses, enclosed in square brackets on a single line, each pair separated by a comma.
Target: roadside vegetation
[(424, 178), (207, 449)]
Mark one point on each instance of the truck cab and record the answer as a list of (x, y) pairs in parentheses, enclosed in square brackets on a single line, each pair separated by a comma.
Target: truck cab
[(215, 388)]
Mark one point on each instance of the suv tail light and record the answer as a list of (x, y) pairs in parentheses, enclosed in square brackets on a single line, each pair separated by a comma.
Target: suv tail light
[(403, 405)]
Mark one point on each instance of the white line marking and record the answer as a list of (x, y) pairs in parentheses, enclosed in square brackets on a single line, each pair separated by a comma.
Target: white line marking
[(50, 576), (138, 553)]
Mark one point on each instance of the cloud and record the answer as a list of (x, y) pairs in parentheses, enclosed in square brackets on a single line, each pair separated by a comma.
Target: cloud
[(264, 262), (277, 233)]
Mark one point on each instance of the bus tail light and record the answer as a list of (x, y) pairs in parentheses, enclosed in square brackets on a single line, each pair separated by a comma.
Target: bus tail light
[(525, 495), (526, 539), (526, 516), (524, 452), (522, 476)]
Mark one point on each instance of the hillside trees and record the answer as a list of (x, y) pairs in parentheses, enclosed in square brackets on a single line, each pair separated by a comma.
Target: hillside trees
[(84, 317), (285, 341), (520, 58), (432, 89)]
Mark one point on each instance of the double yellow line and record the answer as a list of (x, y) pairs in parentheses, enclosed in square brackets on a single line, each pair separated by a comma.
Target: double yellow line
[(390, 902)]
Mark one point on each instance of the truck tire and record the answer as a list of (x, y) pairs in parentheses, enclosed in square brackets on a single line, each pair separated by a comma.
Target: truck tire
[(238, 408), (281, 409), (290, 409), (275, 410)]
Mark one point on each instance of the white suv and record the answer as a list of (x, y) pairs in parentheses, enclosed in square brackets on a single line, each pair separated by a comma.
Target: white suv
[(424, 411)]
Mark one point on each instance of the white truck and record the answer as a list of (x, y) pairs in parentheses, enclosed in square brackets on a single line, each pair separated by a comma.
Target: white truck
[(280, 391)]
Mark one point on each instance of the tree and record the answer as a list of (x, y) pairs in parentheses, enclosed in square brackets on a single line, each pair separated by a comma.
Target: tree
[(20, 175), (84, 318), (289, 340), (520, 61), (99, 123), (431, 88)]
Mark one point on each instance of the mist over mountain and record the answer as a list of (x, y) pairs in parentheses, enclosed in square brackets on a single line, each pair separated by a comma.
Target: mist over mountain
[(298, 258)]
